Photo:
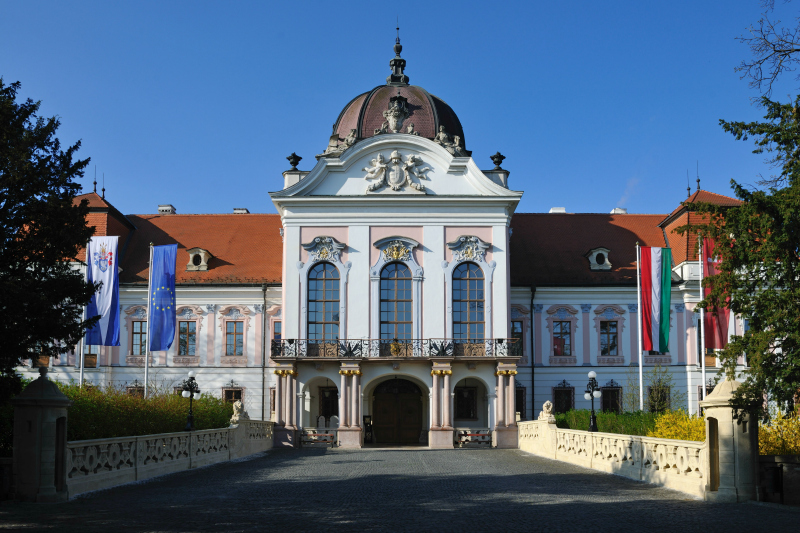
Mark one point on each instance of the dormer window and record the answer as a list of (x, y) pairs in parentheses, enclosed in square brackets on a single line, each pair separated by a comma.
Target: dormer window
[(598, 259), (198, 259)]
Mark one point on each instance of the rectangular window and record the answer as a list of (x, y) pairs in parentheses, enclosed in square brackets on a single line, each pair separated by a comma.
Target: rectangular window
[(89, 349), (186, 338), (608, 337), (516, 329), (519, 402), (234, 335), (135, 391), (139, 338), (232, 394), (612, 399), (466, 403), (563, 399), (277, 331), (90, 353), (562, 338)]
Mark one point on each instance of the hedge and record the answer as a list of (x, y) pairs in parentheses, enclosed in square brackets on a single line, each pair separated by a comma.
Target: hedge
[(627, 423), (105, 413)]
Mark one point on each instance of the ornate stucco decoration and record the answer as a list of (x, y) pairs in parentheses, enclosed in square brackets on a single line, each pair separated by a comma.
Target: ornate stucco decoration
[(395, 115), (396, 251), (323, 249), (395, 173), (451, 144), (598, 259), (337, 146), (468, 248)]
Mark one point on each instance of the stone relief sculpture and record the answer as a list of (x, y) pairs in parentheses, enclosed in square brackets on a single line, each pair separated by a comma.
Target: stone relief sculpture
[(398, 111), (395, 173), (323, 249), (238, 412), (396, 251), (468, 248), (337, 146), (452, 145), (410, 130)]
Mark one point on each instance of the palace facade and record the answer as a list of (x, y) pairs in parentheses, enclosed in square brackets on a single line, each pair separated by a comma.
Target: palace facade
[(397, 297)]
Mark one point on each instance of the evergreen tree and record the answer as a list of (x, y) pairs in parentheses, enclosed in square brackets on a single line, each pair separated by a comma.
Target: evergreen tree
[(42, 293)]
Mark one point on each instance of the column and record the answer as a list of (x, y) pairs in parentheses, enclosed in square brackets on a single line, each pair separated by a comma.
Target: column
[(511, 411), (287, 399), (293, 404), (435, 400), (446, 422), (492, 409), (354, 400), (501, 394), (278, 398), (679, 310), (537, 337), (342, 399), (633, 311), (359, 400)]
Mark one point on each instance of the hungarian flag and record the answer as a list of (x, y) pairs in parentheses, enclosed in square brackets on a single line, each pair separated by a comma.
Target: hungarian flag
[(716, 321), (656, 276)]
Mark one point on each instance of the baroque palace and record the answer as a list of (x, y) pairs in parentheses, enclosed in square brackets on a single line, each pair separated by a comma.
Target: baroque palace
[(397, 297)]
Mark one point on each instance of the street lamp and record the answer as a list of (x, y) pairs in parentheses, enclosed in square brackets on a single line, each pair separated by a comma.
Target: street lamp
[(190, 390), (592, 391)]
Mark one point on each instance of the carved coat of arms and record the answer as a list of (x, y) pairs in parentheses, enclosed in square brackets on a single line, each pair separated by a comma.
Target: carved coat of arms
[(395, 173)]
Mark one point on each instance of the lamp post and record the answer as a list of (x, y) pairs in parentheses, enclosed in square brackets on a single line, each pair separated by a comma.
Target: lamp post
[(592, 391), (190, 390)]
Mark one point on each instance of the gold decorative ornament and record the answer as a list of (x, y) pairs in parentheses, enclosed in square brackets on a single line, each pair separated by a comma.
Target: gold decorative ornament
[(396, 251)]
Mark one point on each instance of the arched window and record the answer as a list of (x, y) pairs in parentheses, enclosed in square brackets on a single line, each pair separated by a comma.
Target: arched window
[(323, 302), (396, 302), (468, 300)]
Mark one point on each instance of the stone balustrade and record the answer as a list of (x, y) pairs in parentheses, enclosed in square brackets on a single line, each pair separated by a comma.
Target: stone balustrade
[(103, 463), (674, 464)]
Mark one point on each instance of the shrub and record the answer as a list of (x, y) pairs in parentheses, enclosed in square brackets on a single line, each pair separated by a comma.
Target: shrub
[(628, 423), (781, 436), (679, 425), (104, 413)]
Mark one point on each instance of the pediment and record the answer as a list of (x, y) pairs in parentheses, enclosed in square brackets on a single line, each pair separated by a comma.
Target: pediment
[(395, 165)]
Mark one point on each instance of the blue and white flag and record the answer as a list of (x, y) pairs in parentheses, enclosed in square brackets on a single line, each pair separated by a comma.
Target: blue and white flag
[(161, 312), (101, 265)]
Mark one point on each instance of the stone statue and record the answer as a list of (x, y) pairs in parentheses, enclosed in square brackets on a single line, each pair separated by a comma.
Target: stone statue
[(452, 145), (337, 146), (410, 168), (397, 113), (350, 140), (547, 412), (376, 172), (238, 412), (410, 130)]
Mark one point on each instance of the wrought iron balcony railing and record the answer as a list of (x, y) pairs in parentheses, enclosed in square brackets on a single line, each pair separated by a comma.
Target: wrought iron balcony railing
[(369, 348)]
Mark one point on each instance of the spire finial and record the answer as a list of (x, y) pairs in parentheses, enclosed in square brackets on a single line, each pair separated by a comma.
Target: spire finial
[(397, 64), (95, 179), (688, 185), (698, 175), (104, 186)]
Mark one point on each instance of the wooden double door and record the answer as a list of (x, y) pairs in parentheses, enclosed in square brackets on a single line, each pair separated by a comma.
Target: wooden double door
[(397, 412)]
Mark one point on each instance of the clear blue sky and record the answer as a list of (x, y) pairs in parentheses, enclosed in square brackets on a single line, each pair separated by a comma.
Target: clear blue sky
[(595, 104)]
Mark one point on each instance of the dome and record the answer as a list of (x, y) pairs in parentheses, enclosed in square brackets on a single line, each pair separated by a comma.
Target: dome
[(397, 108)]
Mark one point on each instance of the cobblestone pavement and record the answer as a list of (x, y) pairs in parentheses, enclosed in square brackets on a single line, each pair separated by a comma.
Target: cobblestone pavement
[(393, 490)]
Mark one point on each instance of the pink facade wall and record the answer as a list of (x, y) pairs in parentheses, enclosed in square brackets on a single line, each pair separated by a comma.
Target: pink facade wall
[(377, 233), (308, 233), (451, 233)]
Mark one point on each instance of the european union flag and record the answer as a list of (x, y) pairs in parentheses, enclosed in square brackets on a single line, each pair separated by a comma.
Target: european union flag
[(161, 312)]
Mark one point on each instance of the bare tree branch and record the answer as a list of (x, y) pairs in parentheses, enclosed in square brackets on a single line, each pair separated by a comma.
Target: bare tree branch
[(775, 51)]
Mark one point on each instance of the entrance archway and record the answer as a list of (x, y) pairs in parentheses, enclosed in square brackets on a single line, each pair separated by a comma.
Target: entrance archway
[(397, 412)]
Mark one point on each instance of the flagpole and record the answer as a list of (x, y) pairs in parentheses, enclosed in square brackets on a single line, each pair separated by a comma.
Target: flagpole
[(641, 320), (149, 320), (82, 344), (702, 326)]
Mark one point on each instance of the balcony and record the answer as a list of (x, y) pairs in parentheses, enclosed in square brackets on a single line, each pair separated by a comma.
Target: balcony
[(385, 348)]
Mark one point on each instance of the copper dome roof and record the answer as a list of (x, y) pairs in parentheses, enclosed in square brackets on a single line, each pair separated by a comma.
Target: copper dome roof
[(366, 115)]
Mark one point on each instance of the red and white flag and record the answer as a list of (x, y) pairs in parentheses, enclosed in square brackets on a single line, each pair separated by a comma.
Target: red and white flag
[(716, 321), (656, 280)]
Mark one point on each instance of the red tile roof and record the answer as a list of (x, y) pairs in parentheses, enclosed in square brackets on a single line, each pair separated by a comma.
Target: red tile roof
[(246, 248), (549, 249)]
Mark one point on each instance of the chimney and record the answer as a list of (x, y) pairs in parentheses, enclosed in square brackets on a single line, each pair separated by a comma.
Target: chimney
[(167, 209), (619, 211), (558, 210), (241, 211)]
